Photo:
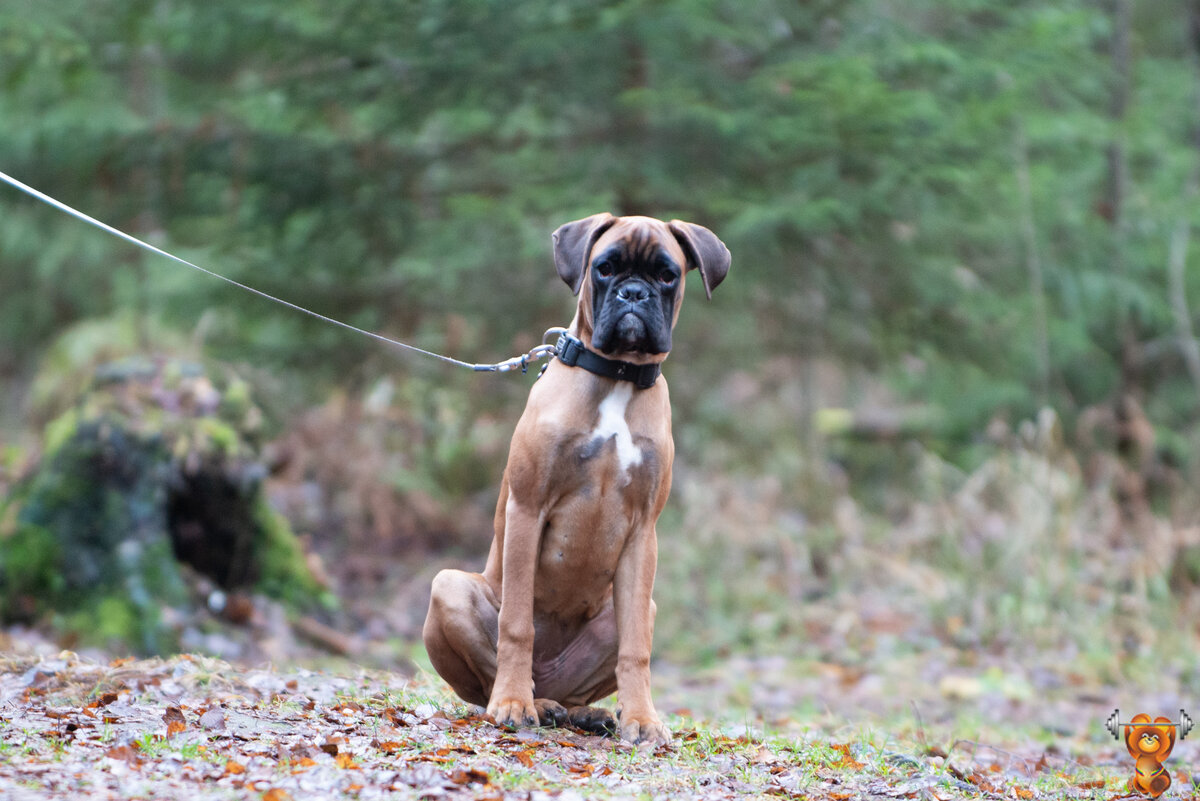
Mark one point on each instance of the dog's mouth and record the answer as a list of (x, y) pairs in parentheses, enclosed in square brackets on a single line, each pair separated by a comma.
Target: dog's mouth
[(630, 332)]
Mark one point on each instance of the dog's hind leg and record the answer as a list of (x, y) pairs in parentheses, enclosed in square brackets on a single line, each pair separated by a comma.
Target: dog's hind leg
[(461, 631)]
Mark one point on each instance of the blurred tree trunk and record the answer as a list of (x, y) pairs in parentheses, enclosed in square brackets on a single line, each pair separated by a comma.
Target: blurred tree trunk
[(1134, 437), (148, 98), (1181, 236), (1033, 262), (1118, 177)]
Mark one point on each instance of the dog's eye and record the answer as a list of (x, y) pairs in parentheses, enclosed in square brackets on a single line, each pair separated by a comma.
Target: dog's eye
[(666, 276), (605, 268)]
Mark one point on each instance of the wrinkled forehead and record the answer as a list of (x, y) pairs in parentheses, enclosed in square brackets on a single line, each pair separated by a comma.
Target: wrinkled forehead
[(641, 239)]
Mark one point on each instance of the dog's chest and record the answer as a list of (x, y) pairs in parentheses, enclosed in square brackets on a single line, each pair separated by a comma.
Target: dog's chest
[(612, 427), (610, 474)]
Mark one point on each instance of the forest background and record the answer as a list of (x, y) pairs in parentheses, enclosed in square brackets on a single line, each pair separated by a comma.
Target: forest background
[(943, 411)]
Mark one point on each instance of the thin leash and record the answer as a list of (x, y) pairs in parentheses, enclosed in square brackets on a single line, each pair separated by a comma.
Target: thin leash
[(517, 362)]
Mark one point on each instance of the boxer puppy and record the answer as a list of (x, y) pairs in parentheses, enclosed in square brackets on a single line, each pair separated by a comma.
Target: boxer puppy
[(562, 615)]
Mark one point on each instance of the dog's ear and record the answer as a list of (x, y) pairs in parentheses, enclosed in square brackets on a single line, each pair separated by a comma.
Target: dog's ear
[(572, 244), (704, 251)]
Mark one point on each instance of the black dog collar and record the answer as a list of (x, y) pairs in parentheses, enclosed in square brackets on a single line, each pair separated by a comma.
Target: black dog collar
[(571, 352)]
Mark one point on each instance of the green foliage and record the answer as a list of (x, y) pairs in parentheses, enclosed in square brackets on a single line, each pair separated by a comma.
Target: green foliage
[(922, 192), (393, 165)]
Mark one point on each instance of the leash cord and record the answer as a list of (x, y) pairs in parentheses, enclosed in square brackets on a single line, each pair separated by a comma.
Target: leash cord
[(521, 362)]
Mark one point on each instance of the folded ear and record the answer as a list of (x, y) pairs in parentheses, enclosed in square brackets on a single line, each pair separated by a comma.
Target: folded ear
[(704, 251), (572, 244)]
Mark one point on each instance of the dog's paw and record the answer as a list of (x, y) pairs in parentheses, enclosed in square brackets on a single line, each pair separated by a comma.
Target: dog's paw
[(513, 713), (647, 730), (550, 713), (593, 720)]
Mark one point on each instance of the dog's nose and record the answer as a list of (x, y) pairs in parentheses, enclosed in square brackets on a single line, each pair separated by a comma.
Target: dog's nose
[(633, 291)]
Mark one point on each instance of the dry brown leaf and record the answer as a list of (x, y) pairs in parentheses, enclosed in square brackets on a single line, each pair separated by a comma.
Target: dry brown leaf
[(126, 753), (387, 746), (525, 757), (302, 764), (233, 768), (764, 756), (175, 720), (1022, 793), (345, 761), (213, 719), (276, 794), (846, 760), (469, 776), (437, 760)]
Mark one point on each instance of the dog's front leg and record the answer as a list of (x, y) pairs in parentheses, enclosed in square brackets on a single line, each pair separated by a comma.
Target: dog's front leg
[(511, 702), (632, 588)]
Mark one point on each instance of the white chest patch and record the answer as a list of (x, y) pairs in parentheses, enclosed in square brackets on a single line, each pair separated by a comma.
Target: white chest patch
[(612, 424)]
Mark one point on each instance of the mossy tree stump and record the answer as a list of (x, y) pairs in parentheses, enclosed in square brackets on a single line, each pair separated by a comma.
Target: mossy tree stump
[(150, 478)]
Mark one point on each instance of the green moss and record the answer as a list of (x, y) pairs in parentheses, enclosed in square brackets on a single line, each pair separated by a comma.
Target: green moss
[(29, 562), (216, 436), (115, 619), (59, 430), (284, 569)]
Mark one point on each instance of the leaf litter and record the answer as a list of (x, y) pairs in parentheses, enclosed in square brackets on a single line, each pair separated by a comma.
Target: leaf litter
[(200, 728)]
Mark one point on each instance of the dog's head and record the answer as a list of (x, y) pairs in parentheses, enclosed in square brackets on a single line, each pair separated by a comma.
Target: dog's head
[(629, 274)]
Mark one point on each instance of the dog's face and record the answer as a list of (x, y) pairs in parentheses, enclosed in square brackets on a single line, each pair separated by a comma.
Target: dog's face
[(629, 274), (636, 278)]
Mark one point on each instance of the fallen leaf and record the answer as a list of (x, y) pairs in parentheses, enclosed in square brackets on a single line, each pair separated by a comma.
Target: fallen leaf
[(437, 760), (469, 776), (764, 756), (213, 719), (175, 720), (233, 768), (525, 758), (125, 753), (275, 794), (345, 761), (387, 747), (846, 760)]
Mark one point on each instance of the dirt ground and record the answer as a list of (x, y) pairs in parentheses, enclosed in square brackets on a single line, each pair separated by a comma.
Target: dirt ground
[(927, 727)]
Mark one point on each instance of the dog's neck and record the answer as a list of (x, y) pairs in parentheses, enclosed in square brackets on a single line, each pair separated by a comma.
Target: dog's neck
[(573, 352)]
